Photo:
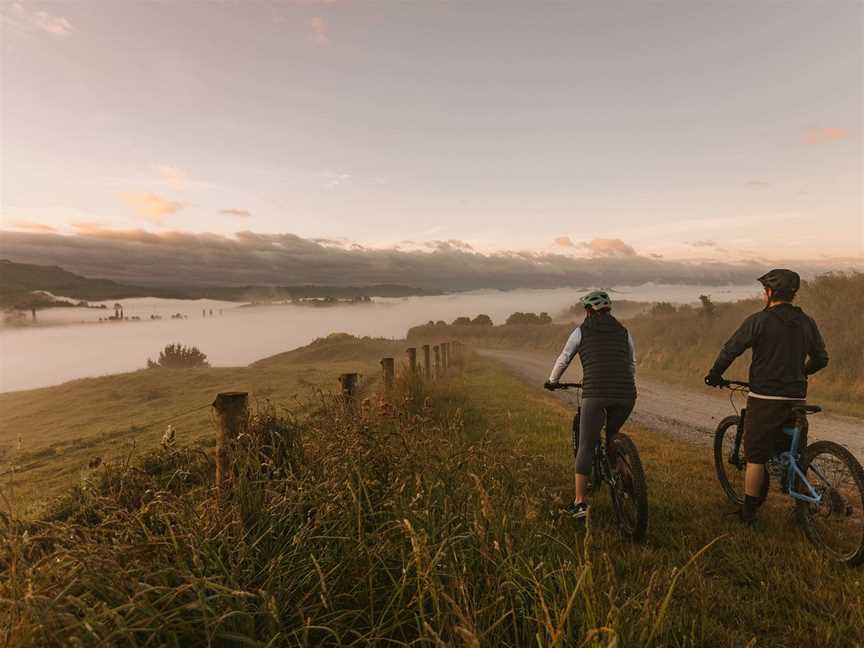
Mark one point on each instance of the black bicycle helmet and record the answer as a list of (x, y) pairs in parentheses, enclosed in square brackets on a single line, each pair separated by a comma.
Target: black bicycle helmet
[(781, 280)]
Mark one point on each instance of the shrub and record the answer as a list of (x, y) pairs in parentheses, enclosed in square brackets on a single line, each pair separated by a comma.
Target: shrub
[(482, 320), (177, 356), (528, 318)]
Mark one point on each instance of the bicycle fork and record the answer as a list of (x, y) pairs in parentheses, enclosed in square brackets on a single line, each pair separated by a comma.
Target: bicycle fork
[(735, 457)]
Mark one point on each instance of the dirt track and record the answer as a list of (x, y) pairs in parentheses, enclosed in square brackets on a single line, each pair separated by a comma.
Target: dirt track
[(692, 413)]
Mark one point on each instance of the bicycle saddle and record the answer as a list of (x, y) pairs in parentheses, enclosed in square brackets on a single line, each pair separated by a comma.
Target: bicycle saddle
[(808, 409)]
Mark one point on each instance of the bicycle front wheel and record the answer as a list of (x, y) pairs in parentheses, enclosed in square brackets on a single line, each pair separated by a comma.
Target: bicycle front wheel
[(729, 461), (628, 486), (836, 524)]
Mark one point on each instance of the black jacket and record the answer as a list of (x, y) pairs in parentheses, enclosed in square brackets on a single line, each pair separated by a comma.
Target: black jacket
[(787, 347), (607, 361)]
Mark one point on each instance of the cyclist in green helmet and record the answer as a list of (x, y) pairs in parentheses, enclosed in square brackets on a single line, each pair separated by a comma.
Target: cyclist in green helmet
[(608, 359)]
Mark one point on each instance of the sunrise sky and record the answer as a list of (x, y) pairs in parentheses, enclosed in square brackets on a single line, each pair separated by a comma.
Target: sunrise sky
[(687, 130)]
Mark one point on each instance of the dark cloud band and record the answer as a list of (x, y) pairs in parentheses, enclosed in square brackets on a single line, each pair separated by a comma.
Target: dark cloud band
[(140, 257)]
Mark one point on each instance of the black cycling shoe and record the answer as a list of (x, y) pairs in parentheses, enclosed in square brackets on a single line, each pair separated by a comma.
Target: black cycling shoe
[(745, 519), (576, 510)]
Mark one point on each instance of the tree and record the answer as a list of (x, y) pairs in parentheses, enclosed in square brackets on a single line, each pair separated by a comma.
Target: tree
[(482, 320), (708, 307), (662, 308), (529, 318), (177, 356), (461, 321)]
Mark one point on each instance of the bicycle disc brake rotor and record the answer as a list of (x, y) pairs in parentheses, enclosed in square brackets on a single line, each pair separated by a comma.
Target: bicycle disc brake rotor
[(835, 504)]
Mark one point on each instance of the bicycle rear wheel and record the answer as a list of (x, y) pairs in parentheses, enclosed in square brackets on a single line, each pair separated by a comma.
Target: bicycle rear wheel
[(628, 486), (836, 524), (731, 465)]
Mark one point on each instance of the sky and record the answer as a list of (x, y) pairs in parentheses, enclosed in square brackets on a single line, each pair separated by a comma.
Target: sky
[(698, 131)]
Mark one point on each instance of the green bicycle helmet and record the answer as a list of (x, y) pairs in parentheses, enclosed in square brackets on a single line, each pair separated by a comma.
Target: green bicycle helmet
[(596, 300)]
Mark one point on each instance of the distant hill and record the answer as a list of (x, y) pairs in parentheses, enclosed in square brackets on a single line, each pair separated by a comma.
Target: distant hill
[(18, 280)]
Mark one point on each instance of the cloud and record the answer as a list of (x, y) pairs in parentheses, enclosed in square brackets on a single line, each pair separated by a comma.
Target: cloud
[(31, 226), (703, 244), (174, 177), (87, 227), (826, 134), (152, 207), (239, 213), (564, 241), (333, 180), (319, 30), (449, 245), (172, 258), (609, 247), (758, 184), (26, 18)]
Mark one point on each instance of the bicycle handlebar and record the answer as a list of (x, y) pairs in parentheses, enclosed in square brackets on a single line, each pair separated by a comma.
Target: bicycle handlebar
[(566, 385)]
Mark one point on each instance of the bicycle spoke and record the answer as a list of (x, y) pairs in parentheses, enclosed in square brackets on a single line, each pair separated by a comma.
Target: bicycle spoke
[(837, 522)]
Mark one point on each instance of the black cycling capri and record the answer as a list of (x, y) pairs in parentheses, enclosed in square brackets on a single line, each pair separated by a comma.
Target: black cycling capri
[(596, 411)]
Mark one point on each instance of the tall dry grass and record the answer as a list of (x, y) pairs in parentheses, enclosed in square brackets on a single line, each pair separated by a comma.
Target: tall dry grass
[(681, 342), (684, 341), (393, 527)]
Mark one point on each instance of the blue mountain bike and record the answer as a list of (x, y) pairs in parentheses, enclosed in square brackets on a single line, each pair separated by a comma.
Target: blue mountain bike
[(825, 481)]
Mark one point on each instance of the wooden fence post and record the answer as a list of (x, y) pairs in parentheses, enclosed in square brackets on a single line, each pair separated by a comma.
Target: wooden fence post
[(412, 360), (348, 381), (231, 415), (427, 361), (445, 355), (437, 351), (457, 355), (388, 369)]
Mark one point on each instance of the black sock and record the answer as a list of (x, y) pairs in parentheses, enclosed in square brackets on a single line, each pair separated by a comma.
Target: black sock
[(751, 504)]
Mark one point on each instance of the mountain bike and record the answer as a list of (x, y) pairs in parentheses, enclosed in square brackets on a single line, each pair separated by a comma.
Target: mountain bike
[(825, 481), (617, 462)]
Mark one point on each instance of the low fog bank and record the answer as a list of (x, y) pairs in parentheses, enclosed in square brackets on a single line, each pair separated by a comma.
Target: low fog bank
[(248, 258), (39, 356)]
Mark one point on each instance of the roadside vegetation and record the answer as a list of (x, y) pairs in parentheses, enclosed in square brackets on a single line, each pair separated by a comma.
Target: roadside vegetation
[(680, 343), (425, 523), (683, 342)]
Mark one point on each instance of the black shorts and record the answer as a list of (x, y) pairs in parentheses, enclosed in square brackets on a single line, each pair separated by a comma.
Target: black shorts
[(763, 428)]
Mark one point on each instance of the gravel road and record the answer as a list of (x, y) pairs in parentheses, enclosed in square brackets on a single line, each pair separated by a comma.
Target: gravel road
[(692, 413)]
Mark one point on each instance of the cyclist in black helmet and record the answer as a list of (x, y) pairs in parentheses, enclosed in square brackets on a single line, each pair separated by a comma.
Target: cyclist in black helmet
[(608, 359), (787, 347)]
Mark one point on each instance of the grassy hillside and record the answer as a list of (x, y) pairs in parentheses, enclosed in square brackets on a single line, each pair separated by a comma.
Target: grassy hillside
[(50, 435), (681, 343), (429, 525), (18, 280)]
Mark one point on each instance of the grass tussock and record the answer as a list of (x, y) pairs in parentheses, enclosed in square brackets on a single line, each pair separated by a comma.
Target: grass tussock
[(338, 529), (423, 520)]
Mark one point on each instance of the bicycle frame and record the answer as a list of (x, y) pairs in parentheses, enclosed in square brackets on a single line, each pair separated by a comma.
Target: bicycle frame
[(790, 462), (787, 459)]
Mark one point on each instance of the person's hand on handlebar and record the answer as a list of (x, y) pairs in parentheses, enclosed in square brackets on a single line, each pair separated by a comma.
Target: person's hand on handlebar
[(714, 380), (551, 386)]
